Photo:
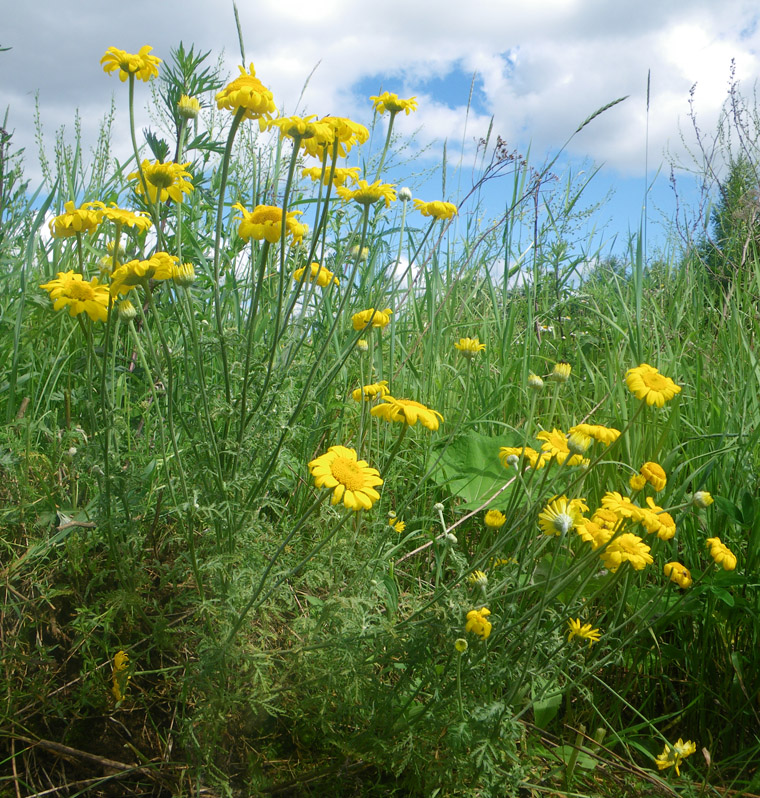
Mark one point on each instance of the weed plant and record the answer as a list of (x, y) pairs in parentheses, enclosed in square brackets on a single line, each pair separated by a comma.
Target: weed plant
[(538, 561)]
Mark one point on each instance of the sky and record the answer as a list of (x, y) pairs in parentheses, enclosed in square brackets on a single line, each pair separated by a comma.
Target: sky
[(536, 69)]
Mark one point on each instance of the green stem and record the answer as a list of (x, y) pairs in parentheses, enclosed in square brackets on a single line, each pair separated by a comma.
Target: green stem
[(387, 144)]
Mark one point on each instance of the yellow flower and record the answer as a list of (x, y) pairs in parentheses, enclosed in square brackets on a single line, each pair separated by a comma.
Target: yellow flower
[(397, 524), (647, 384), (351, 480), (122, 217), (392, 104), (555, 445), (318, 274), (637, 482), (721, 554), (407, 411), (332, 129), (626, 548), (606, 435), (606, 518), (297, 127), (247, 92), (622, 506), (654, 475), (535, 459), (560, 372), (561, 515), (655, 519), (120, 676), (535, 382), (74, 220), (495, 519), (165, 181), (478, 579), (264, 222), (675, 754), (184, 274), (679, 574), (160, 266), (188, 107), (478, 623), (340, 176), (376, 318), (469, 347), (702, 499), (437, 209), (71, 290), (368, 194), (578, 442), (371, 391), (592, 532), (142, 65), (582, 632)]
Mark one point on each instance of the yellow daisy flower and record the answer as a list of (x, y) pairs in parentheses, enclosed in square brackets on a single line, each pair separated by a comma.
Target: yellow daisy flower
[(340, 176), (264, 223), (478, 623), (160, 266), (534, 458), (561, 515), (582, 631), (70, 289), (353, 481), (392, 104), (495, 519), (606, 435), (75, 220), (317, 274), (555, 445), (188, 107), (647, 384), (722, 555), (560, 372), (336, 128), (626, 548), (469, 347), (165, 181), (368, 194), (437, 209), (249, 93), (142, 65), (679, 574), (407, 411), (371, 391), (375, 318), (674, 754)]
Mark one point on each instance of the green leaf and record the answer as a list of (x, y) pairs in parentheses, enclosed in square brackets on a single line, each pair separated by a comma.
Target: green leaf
[(470, 468), (730, 509), (546, 709)]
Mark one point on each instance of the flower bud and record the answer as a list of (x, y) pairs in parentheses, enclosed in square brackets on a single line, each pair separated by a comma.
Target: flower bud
[(405, 194)]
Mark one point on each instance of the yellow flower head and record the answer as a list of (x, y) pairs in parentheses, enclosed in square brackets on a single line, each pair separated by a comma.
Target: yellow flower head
[(679, 574), (160, 266), (582, 631), (495, 519), (469, 347), (75, 220), (297, 127), (478, 579), (647, 384), (702, 499), (71, 290), (621, 506), (560, 372), (375, 318), (120, 676), (247, 92), (164, 181), (578, 442), (142, 65), (368, 194), (264, 223), (127, 311), (637, 482), (188, 107), (605, 435), (332, 132), (437, 209), (396, 523), (339, 178), (674, 754), (372, 391), (510, 456), (317, 274), (392, 104), (478, 623), (654, 475), (626, 548), (407, 411), (561, 515), (592, 532), (555, 445), (722, 555), (535, 382), (606, 518), (655, 519), (183, 274), (122, 217), (350, 479)]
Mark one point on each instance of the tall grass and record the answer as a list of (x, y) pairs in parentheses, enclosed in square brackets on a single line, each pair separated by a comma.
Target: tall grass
[(157, 496)]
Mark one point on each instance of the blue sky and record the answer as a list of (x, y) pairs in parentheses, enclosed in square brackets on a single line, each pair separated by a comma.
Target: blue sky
[(540, 69)]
